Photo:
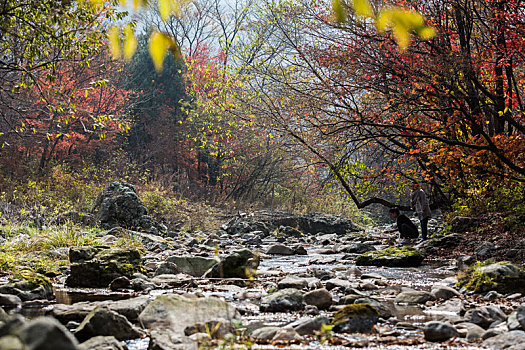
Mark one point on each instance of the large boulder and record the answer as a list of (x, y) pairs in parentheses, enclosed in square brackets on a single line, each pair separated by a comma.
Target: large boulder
[(97, 267), (502, 277), (193, 265), (176, 312), (391, 257), (355, 318), (119, 205), (240, 264)]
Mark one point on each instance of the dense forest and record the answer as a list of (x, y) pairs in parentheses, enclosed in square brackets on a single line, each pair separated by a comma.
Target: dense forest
[(169, 118)]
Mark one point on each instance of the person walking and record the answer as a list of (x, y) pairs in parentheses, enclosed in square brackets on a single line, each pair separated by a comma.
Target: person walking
[(419, 203)]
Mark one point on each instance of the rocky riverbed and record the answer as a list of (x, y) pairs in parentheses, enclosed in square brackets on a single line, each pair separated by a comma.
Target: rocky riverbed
[(266, 281)]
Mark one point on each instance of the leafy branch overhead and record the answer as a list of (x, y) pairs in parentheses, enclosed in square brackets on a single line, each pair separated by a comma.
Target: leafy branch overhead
[(401, 21)]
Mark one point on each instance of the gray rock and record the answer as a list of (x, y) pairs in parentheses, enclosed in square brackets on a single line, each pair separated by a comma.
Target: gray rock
[(169, 340), (9, 300), (358, 248), (292, 282), (471, 331), (38, 288), (453, 306), (337, 283), (102, 321), (355, 318), (216, 329), (384, 311), (310, 325), (414, 297), (97, 267), (462, 224), (120, 283), (173, 281), (484, 316), (512, 322), (167, 268), (321, 298), (141, 284), (279, 249), (46, 333), (103, 343), (265, 334), (492, 295), (286, 335), (176, 312), (439, 331), (239, 264), (520, 315), (283, 300), (119, 205), (193, 265), (444, 292), (505, 340), (11, 342), (391, 257)]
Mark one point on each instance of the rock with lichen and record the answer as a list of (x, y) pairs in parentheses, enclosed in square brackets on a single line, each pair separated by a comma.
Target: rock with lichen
[(391, 257), (96, 267), (355, 318)]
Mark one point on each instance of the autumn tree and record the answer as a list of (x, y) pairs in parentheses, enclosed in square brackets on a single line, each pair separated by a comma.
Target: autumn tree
[(445, 111)]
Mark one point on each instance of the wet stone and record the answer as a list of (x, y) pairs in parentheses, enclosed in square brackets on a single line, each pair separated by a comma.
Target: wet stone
[(484, 316), (292, 282), (505, 340), (283, 300), (279, 249), (309, 326), (355, 318), (103, 343), (9, 300), (439, 331), (321, 298), (444, 292), (265, 334), (414, 297), (102, 321)]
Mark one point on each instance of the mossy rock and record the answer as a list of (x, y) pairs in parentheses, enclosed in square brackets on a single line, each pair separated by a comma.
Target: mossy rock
[(96, 267), (392, 257), (482, 277), (355, 318)]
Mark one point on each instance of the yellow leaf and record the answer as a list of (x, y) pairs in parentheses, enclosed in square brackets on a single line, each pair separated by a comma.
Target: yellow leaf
[(363, 8), (427, 33), (384, 19), (158, 44), (114, 42), (137, 4), (130, 43), (166, 7), (339, 10)]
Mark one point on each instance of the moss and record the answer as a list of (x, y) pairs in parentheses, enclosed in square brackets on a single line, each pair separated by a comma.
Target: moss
[(353, 311), (392, 257), (392, 251), (475, 279)]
